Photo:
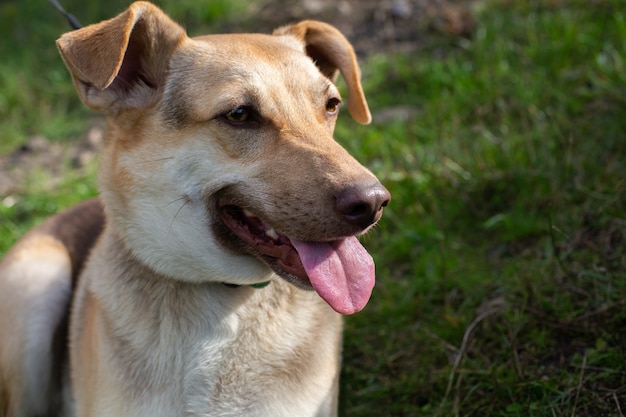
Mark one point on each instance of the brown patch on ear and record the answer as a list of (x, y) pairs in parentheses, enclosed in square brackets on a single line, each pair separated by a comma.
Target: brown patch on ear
[(122, 62), (332, 52)]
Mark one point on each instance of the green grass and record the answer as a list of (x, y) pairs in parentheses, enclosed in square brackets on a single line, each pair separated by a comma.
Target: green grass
[(501, 260), (508, 222), (40, 197), (36, 96)]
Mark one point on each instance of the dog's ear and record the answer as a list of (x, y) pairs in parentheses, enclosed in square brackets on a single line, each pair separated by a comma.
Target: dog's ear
[(122, 63), (332, 52)]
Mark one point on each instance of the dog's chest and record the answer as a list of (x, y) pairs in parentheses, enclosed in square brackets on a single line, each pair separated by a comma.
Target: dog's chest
[(268, 357), (276, 367)]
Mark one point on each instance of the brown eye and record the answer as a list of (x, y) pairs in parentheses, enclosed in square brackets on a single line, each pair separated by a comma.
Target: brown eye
[(332, 105), (238, 115)]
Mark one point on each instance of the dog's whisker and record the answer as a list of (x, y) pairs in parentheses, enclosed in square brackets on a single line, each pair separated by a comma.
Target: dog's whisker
[(155, 161), (152, 161), (186, 201), (176, 201)]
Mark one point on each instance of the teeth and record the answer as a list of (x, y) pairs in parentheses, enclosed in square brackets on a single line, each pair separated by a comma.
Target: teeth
[(271, 233)]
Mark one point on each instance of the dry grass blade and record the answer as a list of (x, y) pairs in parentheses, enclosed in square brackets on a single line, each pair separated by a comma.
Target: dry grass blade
[(461, 352), (580, 383)]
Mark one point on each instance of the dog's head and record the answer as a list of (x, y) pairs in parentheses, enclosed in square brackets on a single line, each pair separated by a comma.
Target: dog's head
[(220, 160)]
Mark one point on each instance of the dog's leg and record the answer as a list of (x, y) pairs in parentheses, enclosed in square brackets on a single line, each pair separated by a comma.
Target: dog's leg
[(35, 287), (35, 292)]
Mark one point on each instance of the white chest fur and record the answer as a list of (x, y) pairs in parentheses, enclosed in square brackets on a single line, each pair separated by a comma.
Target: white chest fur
[(206, 350)]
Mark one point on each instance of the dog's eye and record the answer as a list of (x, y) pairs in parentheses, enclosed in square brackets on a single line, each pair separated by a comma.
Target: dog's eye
[(239, 115), (332, 105)]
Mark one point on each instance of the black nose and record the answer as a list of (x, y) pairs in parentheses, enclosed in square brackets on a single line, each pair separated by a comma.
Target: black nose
[(362, 205)]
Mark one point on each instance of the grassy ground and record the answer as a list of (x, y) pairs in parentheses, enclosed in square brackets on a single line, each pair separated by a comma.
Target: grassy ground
[(502, 258)]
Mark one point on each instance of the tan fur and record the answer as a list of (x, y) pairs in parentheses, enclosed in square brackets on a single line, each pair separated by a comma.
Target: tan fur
[(163, 320)]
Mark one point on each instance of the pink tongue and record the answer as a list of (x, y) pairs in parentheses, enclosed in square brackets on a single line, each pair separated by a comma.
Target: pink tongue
[(342, 272)]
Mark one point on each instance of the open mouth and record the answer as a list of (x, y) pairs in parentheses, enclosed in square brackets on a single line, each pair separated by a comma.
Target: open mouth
[(274, 247), (341, 271)]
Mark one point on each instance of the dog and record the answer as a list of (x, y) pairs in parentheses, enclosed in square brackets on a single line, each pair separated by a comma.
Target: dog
[(210, 276)]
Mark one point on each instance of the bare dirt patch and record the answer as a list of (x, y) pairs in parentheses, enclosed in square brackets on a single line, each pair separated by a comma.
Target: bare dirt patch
[(374, 25)]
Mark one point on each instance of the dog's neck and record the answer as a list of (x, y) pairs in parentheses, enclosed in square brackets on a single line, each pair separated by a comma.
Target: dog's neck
[(161, 291), (182, 319)]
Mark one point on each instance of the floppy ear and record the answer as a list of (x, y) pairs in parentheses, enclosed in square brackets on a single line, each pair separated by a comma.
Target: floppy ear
[(332, 52), (122, 63)]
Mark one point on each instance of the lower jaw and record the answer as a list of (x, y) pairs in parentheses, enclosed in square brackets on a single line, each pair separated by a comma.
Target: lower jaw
[(287, 273), (233, 243)]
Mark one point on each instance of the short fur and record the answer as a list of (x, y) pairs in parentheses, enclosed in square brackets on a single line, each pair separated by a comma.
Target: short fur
[(164, 320)]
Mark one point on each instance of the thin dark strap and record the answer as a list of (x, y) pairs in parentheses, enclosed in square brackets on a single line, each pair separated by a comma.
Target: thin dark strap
[(70, 18)]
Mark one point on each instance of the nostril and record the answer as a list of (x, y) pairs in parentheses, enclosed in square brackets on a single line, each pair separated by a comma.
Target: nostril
[(362, 205), (358, 209)]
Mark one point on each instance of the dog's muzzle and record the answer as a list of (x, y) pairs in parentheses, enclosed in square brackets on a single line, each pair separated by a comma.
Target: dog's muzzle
[(338, 268)]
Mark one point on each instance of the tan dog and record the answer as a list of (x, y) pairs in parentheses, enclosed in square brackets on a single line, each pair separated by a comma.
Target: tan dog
[(225, 200)]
